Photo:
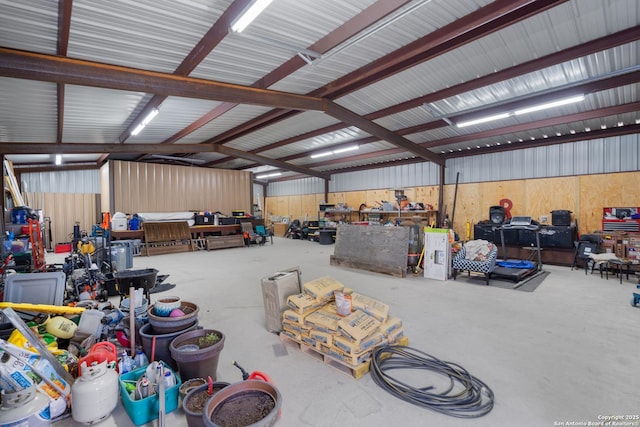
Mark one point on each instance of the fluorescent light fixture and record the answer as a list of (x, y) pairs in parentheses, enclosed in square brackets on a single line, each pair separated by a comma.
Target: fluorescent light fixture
[(58, 159), (337, 151), (346, 149), (318, 155), (483, 120), (249, 15), (538, 107), (551, 104), (268, 175), (145, 122)]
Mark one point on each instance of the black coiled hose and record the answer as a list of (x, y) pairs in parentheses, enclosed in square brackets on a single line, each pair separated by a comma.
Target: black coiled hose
[(465, 397)]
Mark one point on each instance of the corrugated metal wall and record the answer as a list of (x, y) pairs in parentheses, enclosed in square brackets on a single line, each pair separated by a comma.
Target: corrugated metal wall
[(303, 186), (80, 181), (66, 197), (147, 187), (596, 156), (64, 210), (610, 155)]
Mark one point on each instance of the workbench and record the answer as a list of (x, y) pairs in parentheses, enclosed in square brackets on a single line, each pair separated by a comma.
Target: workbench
[(197, 232)]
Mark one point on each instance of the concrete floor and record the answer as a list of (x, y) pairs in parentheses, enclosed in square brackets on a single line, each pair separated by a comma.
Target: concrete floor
[(567, 352)]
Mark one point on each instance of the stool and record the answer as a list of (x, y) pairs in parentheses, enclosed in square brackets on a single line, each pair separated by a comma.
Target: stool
[(617, 265)]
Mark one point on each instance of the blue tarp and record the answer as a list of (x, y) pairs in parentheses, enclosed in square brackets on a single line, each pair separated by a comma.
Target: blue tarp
[(516, 263)]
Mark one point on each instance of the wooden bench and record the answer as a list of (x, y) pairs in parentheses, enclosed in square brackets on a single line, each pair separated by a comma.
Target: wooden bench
[(167, 238)]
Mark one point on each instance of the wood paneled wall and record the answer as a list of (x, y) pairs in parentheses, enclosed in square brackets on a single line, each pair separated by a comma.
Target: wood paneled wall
[(65, 209), (584, 195), (147, 187)]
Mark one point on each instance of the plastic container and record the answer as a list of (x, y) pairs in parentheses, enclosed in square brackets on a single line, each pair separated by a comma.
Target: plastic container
[(35, 288), (146, 410), (61, 327), (141, 359), (91, 323)]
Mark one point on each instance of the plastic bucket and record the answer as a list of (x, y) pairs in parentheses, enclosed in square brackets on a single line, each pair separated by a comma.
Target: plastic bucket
[(162, 343)]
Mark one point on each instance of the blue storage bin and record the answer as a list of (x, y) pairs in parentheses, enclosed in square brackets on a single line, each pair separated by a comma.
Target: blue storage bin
[(146, 410)]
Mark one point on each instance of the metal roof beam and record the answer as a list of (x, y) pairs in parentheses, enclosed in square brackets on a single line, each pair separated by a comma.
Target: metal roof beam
[(87, 148), (50, 68), (375, 129), (263, 160)]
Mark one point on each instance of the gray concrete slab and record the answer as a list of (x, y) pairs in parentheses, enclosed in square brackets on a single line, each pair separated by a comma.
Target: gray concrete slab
[(567, 352)]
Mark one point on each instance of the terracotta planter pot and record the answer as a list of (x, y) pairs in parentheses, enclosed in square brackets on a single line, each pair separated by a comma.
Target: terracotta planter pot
[(252, 403), (194, 402), (194, 360)]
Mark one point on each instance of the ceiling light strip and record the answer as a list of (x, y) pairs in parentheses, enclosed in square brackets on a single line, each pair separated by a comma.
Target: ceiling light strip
[(538, 107), (249, 15), (145, 122), (337, 151)]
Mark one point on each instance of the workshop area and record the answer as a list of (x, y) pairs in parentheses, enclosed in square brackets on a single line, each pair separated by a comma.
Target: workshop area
[(256, 213), (563, 352)]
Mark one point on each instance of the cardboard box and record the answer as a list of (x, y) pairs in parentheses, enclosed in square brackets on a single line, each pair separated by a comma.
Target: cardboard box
[(275, 291), (323, 288), (303, 303), (358, 326), (372, 307), (437, 254), (280, 229)]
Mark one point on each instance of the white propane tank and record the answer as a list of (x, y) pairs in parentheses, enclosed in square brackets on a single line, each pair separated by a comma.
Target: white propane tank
[(94, 394), (26, 407)]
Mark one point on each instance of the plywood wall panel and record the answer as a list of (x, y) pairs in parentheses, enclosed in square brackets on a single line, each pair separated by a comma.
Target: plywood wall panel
[(609, 190), (585, 195), (427, 195), (468, 205), (308, 207), (545, 195)]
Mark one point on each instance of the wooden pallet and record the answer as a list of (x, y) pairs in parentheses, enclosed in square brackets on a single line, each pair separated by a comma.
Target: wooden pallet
[(356, 372)]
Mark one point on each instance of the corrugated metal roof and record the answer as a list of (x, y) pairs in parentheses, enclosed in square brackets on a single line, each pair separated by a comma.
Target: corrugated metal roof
[(159, 35), (148, 34), (29, 25)]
